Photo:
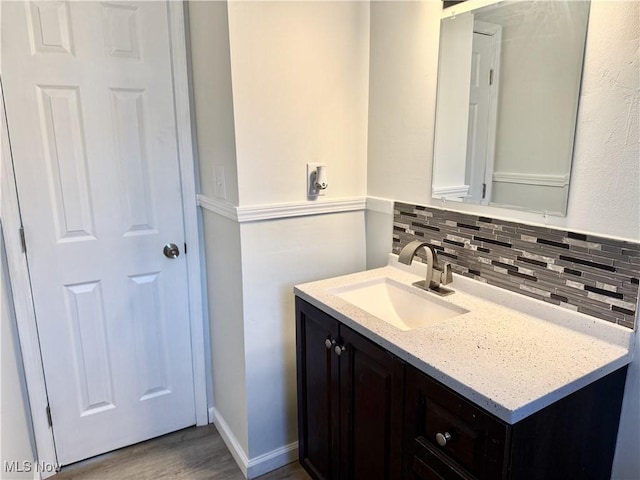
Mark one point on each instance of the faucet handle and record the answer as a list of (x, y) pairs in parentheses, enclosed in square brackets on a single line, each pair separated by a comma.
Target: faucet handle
[(447, 275)]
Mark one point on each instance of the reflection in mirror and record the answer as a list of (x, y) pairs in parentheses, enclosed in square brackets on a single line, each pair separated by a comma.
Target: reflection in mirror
[(508, 87)]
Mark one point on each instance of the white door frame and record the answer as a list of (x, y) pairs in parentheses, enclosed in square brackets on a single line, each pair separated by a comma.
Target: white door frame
[(17, 260), (495, 31)]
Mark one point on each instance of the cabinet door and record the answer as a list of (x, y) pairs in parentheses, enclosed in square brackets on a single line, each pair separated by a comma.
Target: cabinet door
[(371, 398), (318, 400)]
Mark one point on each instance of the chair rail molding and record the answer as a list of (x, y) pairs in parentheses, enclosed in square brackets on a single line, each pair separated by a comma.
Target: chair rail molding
[(560, 180), (257, 213)]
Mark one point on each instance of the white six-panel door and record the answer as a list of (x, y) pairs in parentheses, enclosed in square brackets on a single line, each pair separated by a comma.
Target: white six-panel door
[(89, 101), (483, 102)]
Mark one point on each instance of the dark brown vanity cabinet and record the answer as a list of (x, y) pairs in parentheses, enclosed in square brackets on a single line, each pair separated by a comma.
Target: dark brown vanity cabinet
[(449, 438), (350, 394), (364, 415)]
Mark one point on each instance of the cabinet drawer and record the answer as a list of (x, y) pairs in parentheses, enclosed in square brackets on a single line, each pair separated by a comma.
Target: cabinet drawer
[(433, 465), (469, 437)]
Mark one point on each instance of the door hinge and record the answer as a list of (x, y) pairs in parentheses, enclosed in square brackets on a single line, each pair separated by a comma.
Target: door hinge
[(484, 190), (23, 240), (185, 248), (491, 77), (49, 419)]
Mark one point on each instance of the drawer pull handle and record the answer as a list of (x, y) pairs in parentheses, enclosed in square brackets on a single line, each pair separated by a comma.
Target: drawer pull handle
[(443, 438), (329, 343), (339, 349)]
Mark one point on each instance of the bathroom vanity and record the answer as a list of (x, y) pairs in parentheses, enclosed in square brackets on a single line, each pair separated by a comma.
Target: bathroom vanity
[(483, 391)]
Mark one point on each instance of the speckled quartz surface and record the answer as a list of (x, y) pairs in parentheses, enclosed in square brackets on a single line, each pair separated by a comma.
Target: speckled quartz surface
[(511, 356)]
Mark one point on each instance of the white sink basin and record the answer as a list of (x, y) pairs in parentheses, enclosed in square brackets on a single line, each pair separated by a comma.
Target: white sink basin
[(399, 305)]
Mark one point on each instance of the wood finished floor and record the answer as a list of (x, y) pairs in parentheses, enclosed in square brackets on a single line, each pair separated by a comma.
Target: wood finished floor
[(189, 454)]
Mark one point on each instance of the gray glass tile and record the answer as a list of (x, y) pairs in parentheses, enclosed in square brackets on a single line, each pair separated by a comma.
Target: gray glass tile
[(531, 260)]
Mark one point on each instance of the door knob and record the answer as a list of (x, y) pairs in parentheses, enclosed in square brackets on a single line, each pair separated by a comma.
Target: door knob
[(171, 250), (339, 349), (329, 343)]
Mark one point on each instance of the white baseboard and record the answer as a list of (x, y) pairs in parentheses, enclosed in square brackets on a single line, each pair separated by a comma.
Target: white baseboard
[(230, 440), (252, 468), (271, 460)]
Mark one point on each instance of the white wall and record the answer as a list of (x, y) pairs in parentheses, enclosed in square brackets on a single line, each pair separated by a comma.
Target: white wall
[(454, 67), (212, 95), (378, 235), (300, 83), (605, 181), (276, 256), (541, 61), (532, 197), (226, 323), (604, 196), (16, 432), (297, 74), (605, 176), (607, 145), (402, 94), (215, 135)]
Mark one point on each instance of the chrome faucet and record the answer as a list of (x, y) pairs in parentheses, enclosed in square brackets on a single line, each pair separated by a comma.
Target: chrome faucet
[(436, 275)]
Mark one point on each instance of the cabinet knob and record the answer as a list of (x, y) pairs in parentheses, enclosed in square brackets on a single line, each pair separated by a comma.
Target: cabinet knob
[(329, 343), (443, 438), (339, 349)]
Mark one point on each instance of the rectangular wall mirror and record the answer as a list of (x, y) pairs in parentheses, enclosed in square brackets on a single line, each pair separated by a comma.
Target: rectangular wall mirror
[(508, 88)]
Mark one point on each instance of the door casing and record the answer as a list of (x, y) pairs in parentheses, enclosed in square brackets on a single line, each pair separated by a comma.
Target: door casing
[(486, 176), (19, 273)]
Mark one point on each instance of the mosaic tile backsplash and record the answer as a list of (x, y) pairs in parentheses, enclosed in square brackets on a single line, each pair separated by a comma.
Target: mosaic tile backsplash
[(594, 275)]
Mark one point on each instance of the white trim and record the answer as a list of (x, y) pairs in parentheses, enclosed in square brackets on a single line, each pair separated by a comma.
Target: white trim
[(230, 441), (23, 305), (272, 460), (253, 213), (454, 191), (220, 207), (252, 468), (561, 180), (486, 28), (468, 6), (257, 213), (380, 205), (492, 123), (178, 39)]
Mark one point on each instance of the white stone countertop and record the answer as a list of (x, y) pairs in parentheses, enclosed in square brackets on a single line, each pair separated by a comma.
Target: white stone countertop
[(510, 354)]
